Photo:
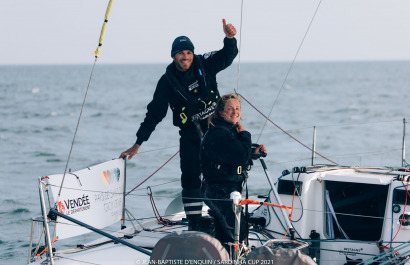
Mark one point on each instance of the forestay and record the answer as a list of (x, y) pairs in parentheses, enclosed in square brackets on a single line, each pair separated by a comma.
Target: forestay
[(93, 195)]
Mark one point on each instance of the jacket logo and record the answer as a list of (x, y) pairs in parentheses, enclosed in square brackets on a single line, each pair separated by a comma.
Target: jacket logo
[(193, 85), (209, 54), (205, 113)]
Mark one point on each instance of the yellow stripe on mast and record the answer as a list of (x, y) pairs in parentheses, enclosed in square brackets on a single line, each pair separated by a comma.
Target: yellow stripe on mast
[(100, 41)]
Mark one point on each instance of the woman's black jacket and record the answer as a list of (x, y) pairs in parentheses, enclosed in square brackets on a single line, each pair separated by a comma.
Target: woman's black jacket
[(225, 153)]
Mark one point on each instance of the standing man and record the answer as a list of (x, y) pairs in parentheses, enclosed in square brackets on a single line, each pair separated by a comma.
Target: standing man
[(189, 87)]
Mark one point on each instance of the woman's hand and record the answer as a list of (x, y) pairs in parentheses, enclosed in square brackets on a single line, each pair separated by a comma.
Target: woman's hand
[(239, 127), (261, 149)]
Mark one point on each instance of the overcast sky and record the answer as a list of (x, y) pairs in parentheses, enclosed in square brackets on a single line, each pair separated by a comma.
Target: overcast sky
[(67, 31)]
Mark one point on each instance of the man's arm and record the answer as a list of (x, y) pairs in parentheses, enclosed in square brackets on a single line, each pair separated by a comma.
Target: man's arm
[(156, 111), (219, 60)]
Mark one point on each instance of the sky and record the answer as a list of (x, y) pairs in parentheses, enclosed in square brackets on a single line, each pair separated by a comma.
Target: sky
[(67, 31)]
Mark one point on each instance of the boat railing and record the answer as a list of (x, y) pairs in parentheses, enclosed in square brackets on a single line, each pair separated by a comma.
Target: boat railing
[(31, 252), (45, 222)]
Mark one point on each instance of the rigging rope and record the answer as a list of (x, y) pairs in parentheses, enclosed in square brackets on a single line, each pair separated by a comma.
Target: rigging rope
[(290, 68), (97, 54), (240, 44), (76, 130), (46, 248), (288, 134), (249, 201), (163, 221), (152, 173), (402, 219)]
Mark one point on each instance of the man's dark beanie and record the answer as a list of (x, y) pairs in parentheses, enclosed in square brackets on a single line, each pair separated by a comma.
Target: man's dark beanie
[(180, 44)]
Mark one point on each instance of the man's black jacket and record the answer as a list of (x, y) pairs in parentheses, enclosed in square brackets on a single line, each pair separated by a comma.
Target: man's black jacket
[(165, 95)]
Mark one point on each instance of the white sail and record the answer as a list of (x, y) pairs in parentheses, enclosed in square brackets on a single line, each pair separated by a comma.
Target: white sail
[(93, 195)]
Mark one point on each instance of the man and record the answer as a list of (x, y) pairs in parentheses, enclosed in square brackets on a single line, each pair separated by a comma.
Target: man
[(189, 87)]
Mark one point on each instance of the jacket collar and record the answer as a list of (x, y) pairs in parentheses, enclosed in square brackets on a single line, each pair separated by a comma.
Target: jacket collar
[(222, 122)]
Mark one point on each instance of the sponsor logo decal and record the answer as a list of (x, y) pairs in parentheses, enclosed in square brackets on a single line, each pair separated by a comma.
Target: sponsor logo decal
[(111, 201), (110, 175), (72, 206), (351, 251), (61, 207)]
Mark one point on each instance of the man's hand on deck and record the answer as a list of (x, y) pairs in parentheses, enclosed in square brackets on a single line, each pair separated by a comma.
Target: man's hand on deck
[(130, 152)]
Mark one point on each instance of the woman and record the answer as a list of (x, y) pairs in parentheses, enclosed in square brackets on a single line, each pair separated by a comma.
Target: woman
[(225, 158)]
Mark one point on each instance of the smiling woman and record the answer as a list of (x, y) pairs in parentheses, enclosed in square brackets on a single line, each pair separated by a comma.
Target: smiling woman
[(225, 160), (232, 109)]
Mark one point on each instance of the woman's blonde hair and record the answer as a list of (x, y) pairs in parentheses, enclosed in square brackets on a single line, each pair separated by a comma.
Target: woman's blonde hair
[(220, 106)]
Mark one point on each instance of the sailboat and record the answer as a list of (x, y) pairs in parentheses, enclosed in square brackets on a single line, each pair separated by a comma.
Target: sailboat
[(323, 214), (340, 215)]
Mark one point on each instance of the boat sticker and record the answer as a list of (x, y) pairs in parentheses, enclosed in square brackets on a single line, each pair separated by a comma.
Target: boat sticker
[(108, 176), (61, 207), (75, 205), (351, 251)]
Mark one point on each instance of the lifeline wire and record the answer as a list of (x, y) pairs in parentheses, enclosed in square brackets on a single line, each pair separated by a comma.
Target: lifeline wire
[(290, 68), (240, 44), (227, 200)]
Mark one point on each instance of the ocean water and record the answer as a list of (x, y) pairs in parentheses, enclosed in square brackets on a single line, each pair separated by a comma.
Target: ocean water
[(357, 107)]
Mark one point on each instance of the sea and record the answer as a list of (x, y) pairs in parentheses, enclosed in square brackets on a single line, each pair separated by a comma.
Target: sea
[(353, 113)]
